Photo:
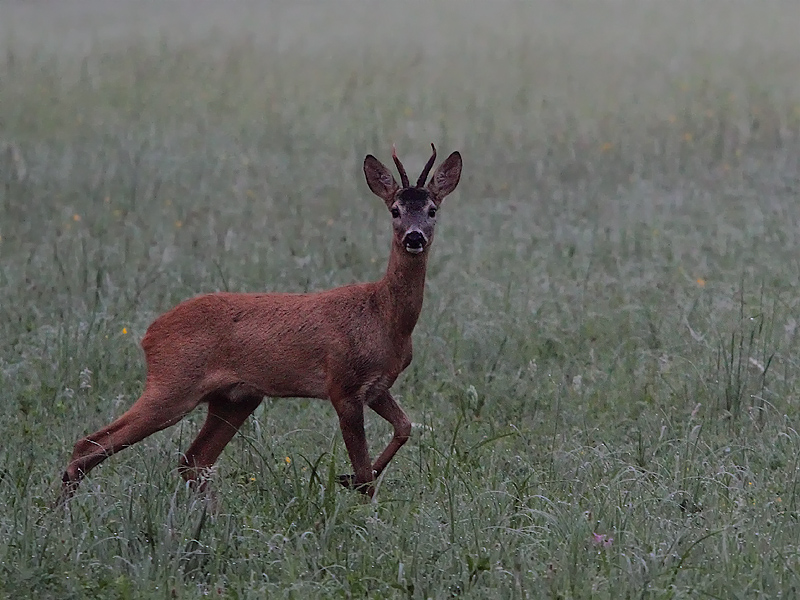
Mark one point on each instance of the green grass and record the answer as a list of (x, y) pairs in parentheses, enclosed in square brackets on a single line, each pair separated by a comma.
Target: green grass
[(609, 340)]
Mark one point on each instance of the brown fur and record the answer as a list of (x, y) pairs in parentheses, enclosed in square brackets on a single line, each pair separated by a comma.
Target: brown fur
[(348, 345)]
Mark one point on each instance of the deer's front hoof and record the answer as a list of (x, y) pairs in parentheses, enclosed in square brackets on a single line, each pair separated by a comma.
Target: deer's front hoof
[(349, 481), (346, 480)]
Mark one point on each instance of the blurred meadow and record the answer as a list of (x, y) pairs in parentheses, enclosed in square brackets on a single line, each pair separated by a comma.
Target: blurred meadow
[(605, 381)]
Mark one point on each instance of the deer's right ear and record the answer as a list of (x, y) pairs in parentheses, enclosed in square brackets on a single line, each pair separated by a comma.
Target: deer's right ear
[(446, 177), (380, 179)]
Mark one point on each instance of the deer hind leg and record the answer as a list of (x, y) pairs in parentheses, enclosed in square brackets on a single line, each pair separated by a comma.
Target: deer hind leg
[(225, 417), (386, 406), (153, 411)]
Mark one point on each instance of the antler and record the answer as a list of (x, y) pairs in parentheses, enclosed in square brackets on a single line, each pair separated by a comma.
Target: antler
[(424, 175), (403, 176)]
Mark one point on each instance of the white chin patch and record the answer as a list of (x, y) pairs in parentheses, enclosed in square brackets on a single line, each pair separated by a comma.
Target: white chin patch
[(414, 250)]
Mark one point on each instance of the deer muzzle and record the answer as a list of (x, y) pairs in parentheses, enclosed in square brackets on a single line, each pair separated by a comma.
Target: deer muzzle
[(415, 242)]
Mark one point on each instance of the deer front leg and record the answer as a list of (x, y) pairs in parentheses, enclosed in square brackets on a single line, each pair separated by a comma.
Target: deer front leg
[(386, 406), (351, 422)]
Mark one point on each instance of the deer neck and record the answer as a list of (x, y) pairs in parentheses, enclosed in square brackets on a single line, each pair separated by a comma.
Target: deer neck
[(403, 287)]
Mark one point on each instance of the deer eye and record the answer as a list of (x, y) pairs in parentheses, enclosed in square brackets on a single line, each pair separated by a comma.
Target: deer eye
[(432, 213), (395, 212)]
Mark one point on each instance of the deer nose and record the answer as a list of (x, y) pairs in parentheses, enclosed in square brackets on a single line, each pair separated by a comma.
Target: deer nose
[(414, 241)]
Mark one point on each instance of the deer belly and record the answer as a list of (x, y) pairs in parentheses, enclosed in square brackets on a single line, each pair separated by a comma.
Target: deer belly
[(284, 375)]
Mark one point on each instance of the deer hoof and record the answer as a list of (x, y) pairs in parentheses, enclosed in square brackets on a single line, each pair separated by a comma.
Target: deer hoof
[(349, 481), (68, 489)]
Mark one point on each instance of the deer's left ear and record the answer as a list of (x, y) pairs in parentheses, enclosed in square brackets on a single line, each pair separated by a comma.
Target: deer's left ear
[(380, 179), (445, 178)]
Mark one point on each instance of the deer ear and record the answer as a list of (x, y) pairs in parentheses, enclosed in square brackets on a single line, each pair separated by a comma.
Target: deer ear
[(445, 178), (380, 179)]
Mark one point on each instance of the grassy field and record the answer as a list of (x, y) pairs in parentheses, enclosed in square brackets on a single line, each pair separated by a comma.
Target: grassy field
[(606, 375)]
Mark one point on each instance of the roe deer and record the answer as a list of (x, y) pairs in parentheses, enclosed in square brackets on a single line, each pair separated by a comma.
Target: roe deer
[(347, 344)]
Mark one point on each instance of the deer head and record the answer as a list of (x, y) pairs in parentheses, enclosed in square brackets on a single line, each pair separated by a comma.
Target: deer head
[(414, 208)]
